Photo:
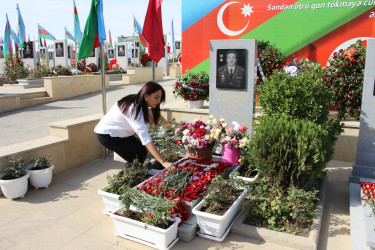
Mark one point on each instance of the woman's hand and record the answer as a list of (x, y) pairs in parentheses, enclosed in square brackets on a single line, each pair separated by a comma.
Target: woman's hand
[(171, 168)]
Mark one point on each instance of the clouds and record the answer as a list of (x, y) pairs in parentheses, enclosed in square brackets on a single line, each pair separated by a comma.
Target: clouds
[(54, 15)]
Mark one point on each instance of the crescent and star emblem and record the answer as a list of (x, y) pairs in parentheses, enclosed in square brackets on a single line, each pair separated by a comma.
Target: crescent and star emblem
[(246, 11)]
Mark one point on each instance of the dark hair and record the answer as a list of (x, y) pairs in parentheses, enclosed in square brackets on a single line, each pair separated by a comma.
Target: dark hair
[(231, 52), (140, 103)]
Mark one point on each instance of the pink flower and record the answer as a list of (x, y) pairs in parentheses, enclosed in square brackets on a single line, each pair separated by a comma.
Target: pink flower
[(234, 141), (243, 129), (229, 131)]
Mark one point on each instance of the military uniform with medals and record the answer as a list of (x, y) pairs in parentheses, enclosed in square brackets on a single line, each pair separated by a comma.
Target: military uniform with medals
[(234, 78)]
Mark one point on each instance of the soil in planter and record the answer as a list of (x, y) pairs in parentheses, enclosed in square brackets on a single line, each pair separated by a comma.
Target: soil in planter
[(8, 177), (138, 216), (39, 168), (223, 206)]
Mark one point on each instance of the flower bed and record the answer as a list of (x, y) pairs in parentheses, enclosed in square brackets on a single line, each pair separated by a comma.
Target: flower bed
[(188, 184)]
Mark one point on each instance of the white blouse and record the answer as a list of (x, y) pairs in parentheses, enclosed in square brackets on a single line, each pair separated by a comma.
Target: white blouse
[(116, 124)]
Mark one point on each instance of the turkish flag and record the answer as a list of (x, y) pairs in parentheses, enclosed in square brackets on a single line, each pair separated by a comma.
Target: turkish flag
[(153, 30)]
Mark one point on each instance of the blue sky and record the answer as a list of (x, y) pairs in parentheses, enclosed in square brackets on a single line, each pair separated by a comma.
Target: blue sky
[(54, 15)]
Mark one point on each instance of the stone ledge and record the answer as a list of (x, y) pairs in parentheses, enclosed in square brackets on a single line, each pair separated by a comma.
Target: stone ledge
[(76, 121), (282, 238)]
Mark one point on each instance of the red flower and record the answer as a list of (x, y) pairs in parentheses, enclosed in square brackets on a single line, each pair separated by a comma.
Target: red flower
[(200, 132), (149, 215)]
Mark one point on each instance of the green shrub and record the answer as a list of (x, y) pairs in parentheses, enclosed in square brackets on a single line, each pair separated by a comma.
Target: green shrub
[(16, 168), (291, 152), (14, 69), (291, 210), (301, 97)]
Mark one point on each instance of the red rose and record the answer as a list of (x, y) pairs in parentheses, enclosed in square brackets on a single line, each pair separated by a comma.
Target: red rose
[(195, 93), (149, 215), (200, 132), (185, 97)]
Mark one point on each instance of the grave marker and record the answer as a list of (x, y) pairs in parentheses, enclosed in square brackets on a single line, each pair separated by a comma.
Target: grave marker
[(365, 162), (232, 80)]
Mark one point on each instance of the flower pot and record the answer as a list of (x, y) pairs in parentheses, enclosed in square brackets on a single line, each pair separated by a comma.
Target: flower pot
[(16, 188), (40, 178), (205, 153), (245, 179), (216, 225), (148, 235), (230, 155), (196, 104), (111, 201)]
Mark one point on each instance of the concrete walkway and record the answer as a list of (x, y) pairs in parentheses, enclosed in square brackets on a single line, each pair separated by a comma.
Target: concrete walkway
[(67, 215), (33, 122)]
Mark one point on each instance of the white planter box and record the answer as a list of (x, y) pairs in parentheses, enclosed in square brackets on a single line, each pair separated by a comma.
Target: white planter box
[(16, 188), (190, 205), (196, 104), (369, 223), (40, 178), (245, 179), (150, 236), (111, 201), (215, 225)]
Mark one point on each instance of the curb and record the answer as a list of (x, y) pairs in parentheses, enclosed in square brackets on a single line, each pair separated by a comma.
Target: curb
[(282, 238)]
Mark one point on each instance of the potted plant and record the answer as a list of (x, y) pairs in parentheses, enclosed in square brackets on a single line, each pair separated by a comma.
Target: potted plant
[(232, 139), (150, 223), (196, 136), (13, 181), (14, 69), (130, 176), (60, 71), (367, 199), (193, 88), (218, 209), (40, 171), (245, 171)]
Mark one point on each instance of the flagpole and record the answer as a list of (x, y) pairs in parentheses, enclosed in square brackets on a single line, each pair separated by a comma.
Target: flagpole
[(104, 100)]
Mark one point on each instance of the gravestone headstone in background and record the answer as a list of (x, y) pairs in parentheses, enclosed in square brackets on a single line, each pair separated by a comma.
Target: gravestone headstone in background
[(61, 53), (29, 54), (122, 55), (232, 88), (365, 162)]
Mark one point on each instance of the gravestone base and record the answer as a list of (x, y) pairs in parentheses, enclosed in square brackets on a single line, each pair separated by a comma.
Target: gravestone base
[(186, 232), (361, 172)]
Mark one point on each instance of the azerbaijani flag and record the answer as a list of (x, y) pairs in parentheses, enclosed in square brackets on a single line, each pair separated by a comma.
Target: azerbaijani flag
[(21, 28), (110, 39), (42, 33), (7, 49), (77, 27), (40, 42), (94, 33), (14, 37), (68, 35), (139, 29), (44, 43)]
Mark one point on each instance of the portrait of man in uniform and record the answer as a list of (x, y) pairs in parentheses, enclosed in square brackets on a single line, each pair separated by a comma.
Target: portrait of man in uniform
[(121, 50), (50, 55), (231, 72), (111, 53), (28, 52), (59, 50), (92, 54), (1, 52)]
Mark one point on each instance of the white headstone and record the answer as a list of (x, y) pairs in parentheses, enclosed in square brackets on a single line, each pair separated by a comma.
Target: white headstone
[(61, 53), (94, 57), (135, 57), (111, 54), (2, 59), (29, 54), (365, 162), (51, 58), (163, 63), (121, 54), (232, 93)]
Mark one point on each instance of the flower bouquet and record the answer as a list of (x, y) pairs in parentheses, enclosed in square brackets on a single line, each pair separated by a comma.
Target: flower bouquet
[(232, 139), (196, 136), (192, 87)]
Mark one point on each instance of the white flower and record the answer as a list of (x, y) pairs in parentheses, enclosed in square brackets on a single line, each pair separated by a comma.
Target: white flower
[(222, 120), (236, 125), (214, 121), (211, 116), (225, 125), (185, 132)]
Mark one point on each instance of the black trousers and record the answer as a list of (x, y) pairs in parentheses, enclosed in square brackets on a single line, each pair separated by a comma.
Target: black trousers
[(129, 148)]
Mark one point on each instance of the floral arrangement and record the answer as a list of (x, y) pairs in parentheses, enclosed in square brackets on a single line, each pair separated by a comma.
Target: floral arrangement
[(230, 137), (144, 59), (81, 65), (16, 168), (189, 183), (368, 189), (344, 78), (192, 86), (60, 71), (40, 162), (14, 69), (41, 71), (195, 135), (91, 68), (271, 59)]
